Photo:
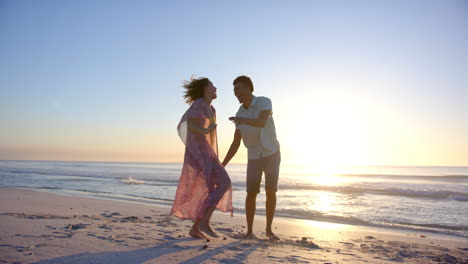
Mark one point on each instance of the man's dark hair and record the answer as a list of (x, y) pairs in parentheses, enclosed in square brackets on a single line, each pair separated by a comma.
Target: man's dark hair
[(244, 80)]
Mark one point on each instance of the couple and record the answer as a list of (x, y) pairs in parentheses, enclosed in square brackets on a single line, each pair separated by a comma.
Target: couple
[(204, 184)]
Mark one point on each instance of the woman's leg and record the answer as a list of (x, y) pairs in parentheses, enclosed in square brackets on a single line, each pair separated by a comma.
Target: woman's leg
[(205, 222), (222, 184), (195, 230)]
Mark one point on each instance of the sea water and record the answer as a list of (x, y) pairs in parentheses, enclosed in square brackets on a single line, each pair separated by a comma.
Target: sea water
[(421, 198)]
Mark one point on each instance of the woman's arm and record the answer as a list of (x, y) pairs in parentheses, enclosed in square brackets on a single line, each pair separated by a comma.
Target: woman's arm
[(192, 125)]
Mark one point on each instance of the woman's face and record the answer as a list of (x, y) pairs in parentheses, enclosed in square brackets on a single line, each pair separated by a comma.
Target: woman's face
[(210, 91)]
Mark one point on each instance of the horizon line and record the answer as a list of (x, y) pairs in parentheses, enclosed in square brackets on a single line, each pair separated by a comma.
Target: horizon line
[(236, 163)]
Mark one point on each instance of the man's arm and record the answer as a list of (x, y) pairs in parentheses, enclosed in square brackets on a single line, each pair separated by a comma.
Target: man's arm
[(234, 147), (260, 121)]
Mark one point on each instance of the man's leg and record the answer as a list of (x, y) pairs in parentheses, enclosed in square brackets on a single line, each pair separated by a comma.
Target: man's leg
[(254, 178), (270, 210), (250, 207), (272, 165)]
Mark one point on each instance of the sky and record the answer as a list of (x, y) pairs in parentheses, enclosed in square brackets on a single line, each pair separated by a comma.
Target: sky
[(352, 82)]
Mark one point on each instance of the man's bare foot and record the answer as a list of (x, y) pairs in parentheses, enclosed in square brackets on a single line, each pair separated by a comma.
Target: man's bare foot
[(194, 232), (205, 228), (272, 236), (250, 236)]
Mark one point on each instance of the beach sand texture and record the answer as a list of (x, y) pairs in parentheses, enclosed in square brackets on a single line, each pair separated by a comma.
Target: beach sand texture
[(42, 227)]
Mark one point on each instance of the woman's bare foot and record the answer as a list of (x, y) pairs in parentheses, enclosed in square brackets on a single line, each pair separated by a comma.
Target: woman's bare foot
[(195, 232), (272, 236), (205, 228)]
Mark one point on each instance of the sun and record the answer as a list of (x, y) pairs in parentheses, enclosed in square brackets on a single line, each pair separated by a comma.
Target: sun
[(328, 136), (327, 175)]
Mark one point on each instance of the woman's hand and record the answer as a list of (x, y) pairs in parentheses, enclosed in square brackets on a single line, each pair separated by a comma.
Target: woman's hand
[(211, 128), (194, 127)]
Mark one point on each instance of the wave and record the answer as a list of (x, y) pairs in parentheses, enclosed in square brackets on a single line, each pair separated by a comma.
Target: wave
[(350, 220), (405, 176), (434, 194), (165, 171), (100, 194), (461, 198), (158, 179), (439, 194), (51, 173), (150, 176), (131, 180)]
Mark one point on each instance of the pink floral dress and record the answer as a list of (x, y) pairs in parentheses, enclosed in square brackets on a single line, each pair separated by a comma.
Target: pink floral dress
[(203, 182)]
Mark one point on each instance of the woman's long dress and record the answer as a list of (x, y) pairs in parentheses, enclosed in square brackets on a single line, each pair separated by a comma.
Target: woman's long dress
[(203, 182)]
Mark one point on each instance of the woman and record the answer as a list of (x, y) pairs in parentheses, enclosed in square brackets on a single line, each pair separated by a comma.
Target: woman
[(204, 184)]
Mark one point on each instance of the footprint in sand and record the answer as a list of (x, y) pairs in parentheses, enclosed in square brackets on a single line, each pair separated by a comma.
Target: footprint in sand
[(223, 229), (76, 226), (234, 248), (136, 238), (105, 227)]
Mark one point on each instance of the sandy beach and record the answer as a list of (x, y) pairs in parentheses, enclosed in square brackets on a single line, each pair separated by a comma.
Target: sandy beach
[(42, 227)]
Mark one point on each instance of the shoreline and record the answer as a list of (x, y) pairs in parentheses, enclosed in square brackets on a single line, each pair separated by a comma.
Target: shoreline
[(423, 230), (44, 227)]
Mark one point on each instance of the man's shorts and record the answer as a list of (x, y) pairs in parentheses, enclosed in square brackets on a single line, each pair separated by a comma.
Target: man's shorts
[(270, 166)]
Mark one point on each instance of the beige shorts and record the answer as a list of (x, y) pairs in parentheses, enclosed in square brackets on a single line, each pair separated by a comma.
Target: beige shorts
[(256, 167)]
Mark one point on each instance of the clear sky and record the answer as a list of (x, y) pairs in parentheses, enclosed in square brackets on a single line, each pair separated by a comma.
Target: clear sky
[(352, 82)]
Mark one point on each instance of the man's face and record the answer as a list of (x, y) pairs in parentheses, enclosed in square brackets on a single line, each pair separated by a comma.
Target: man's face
[(242, 92)]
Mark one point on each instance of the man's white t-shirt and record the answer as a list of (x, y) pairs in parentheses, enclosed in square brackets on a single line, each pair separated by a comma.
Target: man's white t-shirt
[(260, 141)]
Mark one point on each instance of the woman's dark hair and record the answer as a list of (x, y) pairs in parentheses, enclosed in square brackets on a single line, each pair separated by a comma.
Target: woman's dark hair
[(194, 89), (244, 80)]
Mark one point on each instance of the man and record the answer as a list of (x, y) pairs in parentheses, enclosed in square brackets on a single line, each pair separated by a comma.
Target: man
[(255, 126)]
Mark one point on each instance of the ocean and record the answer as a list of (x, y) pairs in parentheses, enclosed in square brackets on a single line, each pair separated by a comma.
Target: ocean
[(433, 199)]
